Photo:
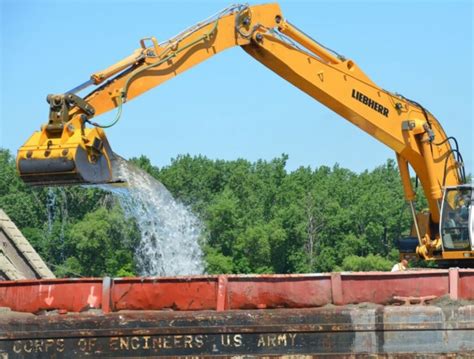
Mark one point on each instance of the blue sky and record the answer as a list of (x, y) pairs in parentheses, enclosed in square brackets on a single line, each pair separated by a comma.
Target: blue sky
[(231, 106)]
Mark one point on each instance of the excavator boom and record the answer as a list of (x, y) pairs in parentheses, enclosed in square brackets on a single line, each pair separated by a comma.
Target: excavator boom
[(71, 148)]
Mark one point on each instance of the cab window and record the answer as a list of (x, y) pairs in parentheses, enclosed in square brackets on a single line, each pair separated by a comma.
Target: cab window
[(455, 228)]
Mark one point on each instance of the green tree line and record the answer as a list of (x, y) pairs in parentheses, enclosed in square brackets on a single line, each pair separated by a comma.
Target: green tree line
[(258, 217)]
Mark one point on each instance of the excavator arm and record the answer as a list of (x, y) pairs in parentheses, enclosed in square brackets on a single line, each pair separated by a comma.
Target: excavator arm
[(71, 148), (67, 151)]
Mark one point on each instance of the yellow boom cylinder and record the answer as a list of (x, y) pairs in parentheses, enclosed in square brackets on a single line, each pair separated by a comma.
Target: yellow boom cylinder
[(299, 36)]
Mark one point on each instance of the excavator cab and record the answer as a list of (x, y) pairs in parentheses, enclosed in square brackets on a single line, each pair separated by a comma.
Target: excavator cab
[(457, 218)]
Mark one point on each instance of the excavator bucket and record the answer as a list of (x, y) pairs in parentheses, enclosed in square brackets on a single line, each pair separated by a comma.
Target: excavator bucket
[(70, 155)]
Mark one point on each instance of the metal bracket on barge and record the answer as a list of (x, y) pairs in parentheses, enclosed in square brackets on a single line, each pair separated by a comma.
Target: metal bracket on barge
[(339, 314)]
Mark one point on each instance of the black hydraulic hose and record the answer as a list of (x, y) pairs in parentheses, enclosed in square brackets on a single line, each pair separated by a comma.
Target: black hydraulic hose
[(446, 140), (455, 152), (458, 159)]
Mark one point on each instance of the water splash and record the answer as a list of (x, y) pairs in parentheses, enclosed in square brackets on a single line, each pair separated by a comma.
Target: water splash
[(170, 232), (50, 208), (56, 209)]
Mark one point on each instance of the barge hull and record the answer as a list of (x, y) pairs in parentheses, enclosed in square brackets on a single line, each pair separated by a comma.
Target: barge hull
[(353, 315)]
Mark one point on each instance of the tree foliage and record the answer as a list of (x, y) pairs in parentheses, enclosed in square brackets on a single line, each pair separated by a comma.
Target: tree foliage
[(261, 218), (78, 231), (258, 217)]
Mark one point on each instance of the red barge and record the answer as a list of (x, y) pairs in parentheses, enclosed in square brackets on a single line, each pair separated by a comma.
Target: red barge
[(423, 314)]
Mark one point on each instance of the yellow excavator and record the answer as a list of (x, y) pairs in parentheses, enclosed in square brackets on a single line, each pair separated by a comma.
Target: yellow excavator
[(72, 149)]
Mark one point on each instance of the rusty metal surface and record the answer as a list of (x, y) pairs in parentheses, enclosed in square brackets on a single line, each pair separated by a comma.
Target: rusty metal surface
[(278, 291), (232, 291), (380, 288), (193, 293), (332, 330), (241, 315), (74, 295), (466, 284)]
